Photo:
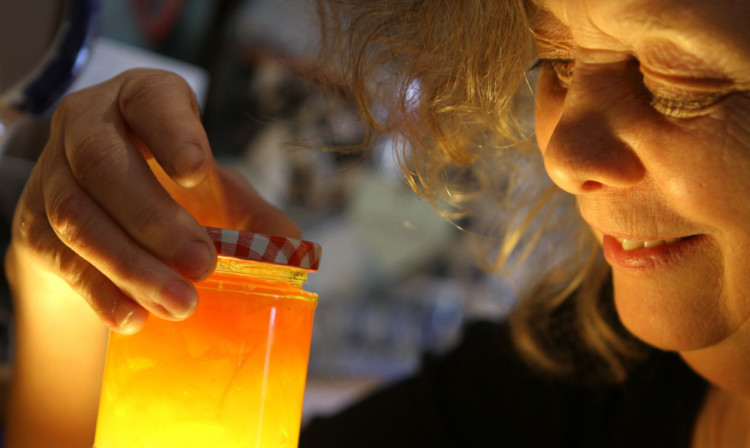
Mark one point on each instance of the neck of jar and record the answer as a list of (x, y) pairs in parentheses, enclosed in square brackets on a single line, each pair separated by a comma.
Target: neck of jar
[(275, 272)]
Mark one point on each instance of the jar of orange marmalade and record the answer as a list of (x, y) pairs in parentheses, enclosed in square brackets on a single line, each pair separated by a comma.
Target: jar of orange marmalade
[(232, 375)]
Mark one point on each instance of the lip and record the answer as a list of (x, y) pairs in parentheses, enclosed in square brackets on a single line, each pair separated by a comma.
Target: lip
[(650, 258)]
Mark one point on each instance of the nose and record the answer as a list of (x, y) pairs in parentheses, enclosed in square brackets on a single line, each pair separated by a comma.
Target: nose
[(591, 145)]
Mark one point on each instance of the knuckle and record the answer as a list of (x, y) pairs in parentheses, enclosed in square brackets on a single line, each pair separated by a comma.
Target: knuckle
[(28, 227), (86, 273), (93, 154), (82, 278), (66, 214), (143, 88), (154, 217), (32, 232), (71, 268), (88, 147), (70, 102)]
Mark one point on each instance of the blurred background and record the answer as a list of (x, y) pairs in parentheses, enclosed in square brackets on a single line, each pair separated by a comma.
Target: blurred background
[(397, 281)]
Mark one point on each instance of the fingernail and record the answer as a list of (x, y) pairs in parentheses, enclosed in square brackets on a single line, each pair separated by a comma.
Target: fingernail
[(178, 298), (188, 160), (194, 259)]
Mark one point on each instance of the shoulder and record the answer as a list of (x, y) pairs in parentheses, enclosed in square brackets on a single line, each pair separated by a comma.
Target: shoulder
[(482, 394), (462, 398)]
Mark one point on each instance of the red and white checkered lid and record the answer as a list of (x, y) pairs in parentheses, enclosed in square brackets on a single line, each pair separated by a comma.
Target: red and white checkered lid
[(266, 248)]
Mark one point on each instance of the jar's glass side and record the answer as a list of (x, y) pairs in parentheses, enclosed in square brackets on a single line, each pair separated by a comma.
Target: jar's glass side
[(233, 374)]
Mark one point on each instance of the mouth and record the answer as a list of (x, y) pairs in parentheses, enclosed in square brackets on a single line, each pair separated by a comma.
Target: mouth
[(628, 244), (629, 253)]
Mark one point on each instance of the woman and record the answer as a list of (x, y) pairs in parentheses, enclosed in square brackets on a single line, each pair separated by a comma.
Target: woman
[(641, 114)]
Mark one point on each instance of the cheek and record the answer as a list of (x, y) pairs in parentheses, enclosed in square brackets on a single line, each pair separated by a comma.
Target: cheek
[(700, 167), (703, 167)]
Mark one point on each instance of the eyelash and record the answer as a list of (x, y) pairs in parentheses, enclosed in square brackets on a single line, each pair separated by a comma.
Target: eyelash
[(679, 108), (561, 68)]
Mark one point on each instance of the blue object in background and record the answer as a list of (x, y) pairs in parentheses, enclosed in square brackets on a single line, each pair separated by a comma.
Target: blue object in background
[(36, 93), (64, 60)]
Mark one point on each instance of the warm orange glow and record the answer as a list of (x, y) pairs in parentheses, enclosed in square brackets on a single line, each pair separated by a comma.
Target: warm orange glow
[(231, 375)]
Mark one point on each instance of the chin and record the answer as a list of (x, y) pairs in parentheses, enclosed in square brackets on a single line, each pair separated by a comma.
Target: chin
[(675, 316)]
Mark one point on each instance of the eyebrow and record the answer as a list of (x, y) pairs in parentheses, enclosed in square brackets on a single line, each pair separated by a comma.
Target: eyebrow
[(658, 52), (551, 26), (651, 21), (673, 60)]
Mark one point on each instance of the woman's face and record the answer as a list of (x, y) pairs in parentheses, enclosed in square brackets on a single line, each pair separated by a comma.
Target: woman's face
[(643, 113)]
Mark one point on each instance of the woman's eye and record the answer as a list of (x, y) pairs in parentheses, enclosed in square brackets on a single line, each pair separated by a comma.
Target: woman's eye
[(562, 68), (688, 107), (671, 104)]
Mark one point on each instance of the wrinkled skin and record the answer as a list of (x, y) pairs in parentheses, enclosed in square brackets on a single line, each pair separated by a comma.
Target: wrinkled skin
[(94, 214)]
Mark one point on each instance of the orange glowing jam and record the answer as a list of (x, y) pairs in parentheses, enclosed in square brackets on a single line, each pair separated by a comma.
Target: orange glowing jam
[(231, 375)]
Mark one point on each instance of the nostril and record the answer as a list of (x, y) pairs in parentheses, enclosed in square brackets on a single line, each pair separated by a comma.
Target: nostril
[(591, 186)]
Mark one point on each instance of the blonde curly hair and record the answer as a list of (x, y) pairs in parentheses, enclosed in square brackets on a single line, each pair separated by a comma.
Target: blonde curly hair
[(449, 79)]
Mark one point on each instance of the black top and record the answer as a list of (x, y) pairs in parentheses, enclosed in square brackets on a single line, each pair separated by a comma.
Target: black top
[(482, 395)]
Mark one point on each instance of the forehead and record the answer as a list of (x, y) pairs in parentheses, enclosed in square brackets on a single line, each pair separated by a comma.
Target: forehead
[(716, 32), (613, 22)]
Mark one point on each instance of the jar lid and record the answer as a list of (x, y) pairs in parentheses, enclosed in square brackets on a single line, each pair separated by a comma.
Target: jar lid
[(266, 248)]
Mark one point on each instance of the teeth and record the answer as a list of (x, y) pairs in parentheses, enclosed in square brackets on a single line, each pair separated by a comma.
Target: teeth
[(632, 244)]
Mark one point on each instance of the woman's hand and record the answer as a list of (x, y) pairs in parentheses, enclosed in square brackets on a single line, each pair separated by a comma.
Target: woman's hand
[(112, 214), (115, 204)]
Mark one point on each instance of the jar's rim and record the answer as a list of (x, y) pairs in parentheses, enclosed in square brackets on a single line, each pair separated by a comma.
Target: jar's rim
[(266, 248)]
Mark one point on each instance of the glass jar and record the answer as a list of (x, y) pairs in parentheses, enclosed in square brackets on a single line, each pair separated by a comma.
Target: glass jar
[(232, 374)]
